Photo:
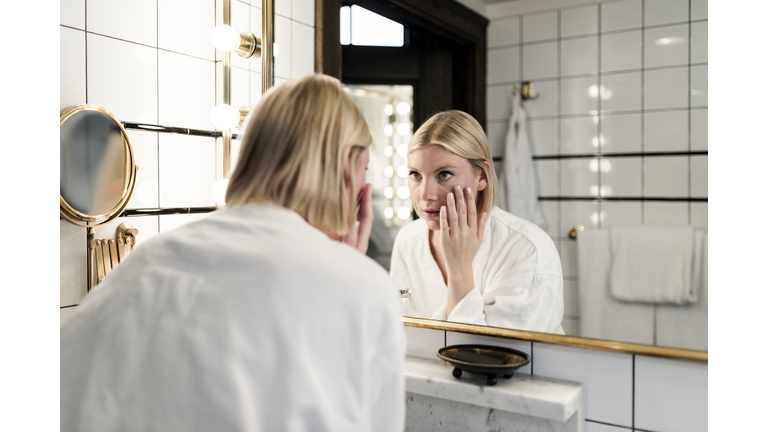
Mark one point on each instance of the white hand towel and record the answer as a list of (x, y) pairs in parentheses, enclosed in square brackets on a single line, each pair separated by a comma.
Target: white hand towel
[(653, 264), (602, 316), (686, 326)]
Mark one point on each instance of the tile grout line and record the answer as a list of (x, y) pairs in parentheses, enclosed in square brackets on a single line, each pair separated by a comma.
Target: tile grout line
[(599, 118), (157, 115), (85, 26), (633, 391), (642, 109), (690, 45)]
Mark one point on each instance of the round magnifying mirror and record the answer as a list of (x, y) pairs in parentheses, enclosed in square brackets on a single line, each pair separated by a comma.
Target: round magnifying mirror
[(97, 165)]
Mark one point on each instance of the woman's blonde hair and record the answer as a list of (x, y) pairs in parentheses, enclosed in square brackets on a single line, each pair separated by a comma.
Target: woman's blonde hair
[(460, 134), (292, 152)]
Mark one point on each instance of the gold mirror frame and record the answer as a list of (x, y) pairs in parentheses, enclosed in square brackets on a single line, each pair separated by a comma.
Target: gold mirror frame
[(556, 339), (76, 217)]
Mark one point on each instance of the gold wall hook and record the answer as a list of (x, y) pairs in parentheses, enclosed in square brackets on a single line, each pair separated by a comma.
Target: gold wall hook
[(108, 253), (574, 232), (525, 91)]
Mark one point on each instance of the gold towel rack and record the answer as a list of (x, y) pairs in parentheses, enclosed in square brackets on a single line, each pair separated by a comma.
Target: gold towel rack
[(574, 232)]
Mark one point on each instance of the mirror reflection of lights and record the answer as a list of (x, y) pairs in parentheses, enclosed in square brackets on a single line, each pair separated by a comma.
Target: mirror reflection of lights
[(389, 192), (595, 120), (597, 218), (402, 150), (403, 129), (388, 110), (402, 171), (389, 212), (388, 171), (275, 50), (603, 191), (594, 92), (600, 165), (388, 130), (669, 41), (598, 141), (403, 192), (360, 92), (403, 108), (388, 150), (219, 191), (403, 213)]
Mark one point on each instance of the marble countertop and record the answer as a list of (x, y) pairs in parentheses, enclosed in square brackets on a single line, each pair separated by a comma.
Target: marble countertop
[(547, 398)]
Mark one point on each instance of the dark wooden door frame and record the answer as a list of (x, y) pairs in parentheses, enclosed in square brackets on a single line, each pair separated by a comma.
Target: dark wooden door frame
[(445, 18)]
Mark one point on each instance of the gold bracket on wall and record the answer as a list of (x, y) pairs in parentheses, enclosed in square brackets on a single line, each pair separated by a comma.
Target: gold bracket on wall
[(525, 91), (106, 254)]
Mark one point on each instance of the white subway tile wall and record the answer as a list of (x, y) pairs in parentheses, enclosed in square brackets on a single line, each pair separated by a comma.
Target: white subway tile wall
[(631, 78), (144, 65)]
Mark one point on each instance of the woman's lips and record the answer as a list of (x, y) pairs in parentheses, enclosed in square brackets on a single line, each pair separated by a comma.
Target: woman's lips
[(432, 213)]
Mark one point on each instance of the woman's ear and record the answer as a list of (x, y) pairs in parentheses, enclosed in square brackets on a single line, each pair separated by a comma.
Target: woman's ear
[(482, 183)]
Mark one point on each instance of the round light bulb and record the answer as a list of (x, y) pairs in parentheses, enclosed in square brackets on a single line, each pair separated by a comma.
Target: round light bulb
[(402, 171), (403, 108), (388, 130), (389, 192), (403, 192), (225, 38), (225, 116), (403, 213), (388, 171), (389, 212), (402, 150), (403, 129), (388, 110), (219, 191), (275, 50), (388, 151)]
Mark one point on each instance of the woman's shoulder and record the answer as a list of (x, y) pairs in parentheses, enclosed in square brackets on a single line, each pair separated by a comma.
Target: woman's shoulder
[(504, 224)]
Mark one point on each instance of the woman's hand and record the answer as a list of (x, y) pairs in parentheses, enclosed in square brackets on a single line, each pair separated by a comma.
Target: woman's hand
[(360, 232), (461, 232)]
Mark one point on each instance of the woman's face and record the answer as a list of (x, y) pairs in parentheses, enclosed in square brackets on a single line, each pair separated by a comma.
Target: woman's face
[(433, 173)]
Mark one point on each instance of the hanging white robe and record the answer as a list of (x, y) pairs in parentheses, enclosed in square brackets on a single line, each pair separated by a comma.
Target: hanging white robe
[(247, 320), (519, 191)]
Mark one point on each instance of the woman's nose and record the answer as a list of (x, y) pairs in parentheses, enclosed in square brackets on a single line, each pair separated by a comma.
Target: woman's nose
[(429, 191)]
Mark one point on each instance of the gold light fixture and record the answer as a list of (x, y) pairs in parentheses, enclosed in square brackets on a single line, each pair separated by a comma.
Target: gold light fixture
[(245, 44)]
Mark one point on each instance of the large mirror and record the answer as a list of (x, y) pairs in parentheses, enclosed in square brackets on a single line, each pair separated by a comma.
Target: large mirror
[(630, 153)]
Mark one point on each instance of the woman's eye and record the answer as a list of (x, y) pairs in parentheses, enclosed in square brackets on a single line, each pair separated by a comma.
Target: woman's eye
[(414, 175), (445, 175)]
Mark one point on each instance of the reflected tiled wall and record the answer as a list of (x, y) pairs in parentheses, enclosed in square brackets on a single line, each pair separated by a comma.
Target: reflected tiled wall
[(152, 61), (624, 76)]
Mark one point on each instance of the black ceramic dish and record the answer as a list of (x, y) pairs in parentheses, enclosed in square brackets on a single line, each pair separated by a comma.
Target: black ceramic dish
[(484, 360)]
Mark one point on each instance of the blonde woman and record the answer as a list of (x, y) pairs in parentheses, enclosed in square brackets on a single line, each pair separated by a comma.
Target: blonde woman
[(256, 317), (464, 259)]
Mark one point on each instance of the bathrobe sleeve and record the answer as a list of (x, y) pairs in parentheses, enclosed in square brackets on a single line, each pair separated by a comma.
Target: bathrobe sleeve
[(524, 290)]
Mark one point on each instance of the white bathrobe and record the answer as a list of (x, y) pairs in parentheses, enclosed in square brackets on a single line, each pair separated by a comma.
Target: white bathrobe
[(247, 320), (517, 273)]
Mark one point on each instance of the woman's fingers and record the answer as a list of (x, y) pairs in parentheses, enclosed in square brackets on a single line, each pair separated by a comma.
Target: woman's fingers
[(352, 236), (365, 217), (471, 211), (453, 218), (444, 228), (461, 206)]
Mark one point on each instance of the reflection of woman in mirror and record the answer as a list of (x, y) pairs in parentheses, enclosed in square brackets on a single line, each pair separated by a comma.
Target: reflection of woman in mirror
[(256, 317), (464, 259)]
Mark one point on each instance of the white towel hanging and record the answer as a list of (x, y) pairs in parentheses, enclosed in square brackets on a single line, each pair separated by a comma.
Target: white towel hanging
[(518, 183)]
